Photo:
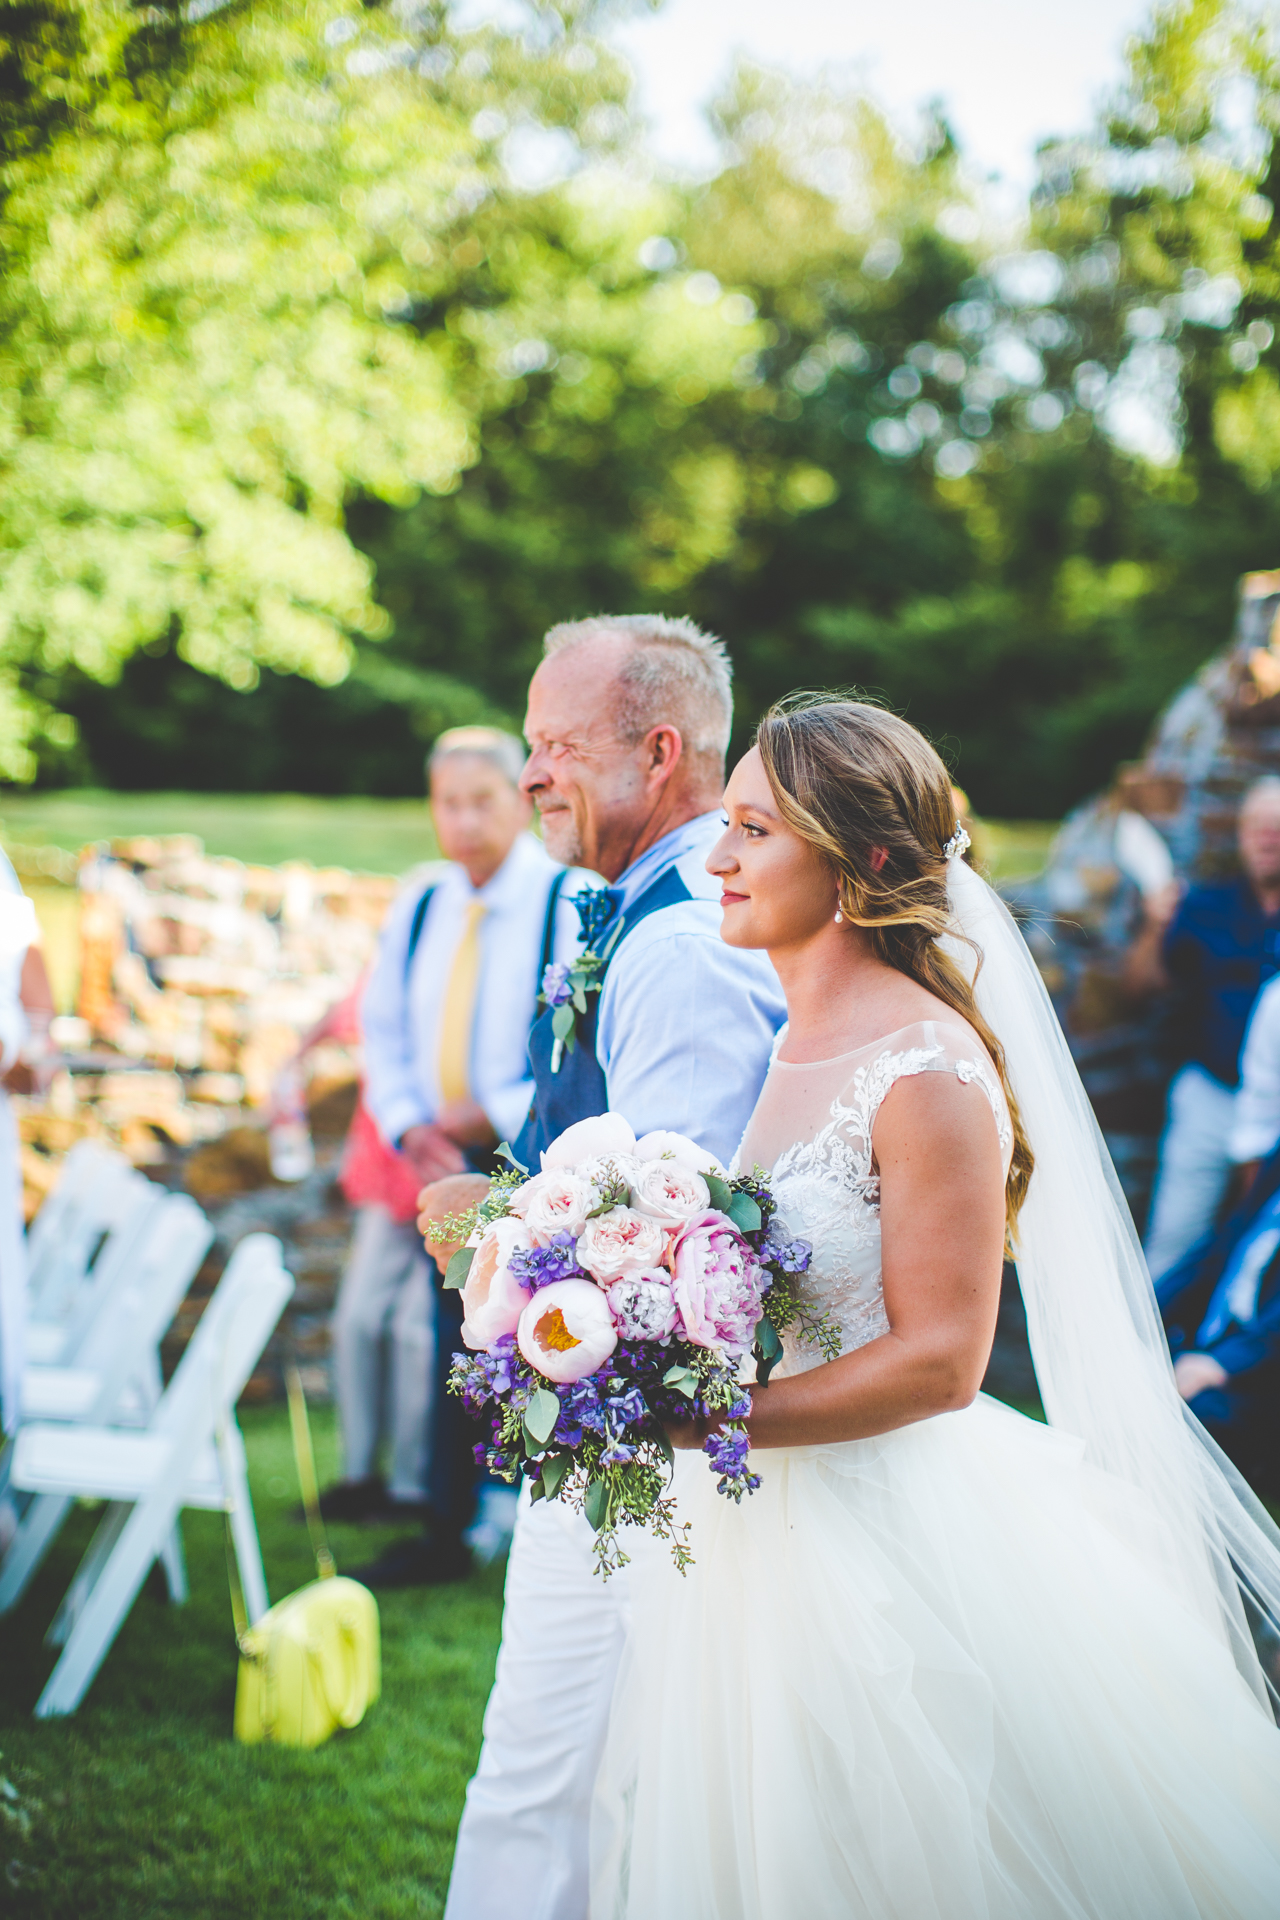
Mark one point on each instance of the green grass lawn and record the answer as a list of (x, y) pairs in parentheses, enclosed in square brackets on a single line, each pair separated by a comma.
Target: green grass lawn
[(141, 1805), (372, 836)]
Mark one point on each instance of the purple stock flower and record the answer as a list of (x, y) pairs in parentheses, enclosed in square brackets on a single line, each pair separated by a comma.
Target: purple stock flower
[(541, 1266), (793, 1256), (727, 1451), (617, 1454), (622, 1410), (556, 990)]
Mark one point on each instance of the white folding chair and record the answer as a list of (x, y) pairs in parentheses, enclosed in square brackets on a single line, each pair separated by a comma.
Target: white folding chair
[(190, 1455), (81, 1241), (117, 1381)]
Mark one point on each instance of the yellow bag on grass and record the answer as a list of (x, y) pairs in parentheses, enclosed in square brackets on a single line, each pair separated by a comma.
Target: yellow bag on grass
[(310, 1665), (313, 1662)]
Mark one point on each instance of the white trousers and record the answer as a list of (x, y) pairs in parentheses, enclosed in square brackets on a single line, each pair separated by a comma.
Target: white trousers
[(385, 1302), (523, 1843), (1194, 1168)]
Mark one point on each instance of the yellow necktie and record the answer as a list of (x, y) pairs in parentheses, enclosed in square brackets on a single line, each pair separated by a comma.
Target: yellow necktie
[(457, 1016)]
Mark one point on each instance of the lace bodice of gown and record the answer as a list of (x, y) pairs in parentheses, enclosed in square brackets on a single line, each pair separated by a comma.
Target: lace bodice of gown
[(812, 1127)]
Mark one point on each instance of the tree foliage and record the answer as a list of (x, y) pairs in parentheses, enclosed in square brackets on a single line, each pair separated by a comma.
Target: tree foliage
[(342, 355)]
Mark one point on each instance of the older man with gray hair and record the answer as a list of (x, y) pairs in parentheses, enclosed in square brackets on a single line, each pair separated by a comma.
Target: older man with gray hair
[(445, 1019), (627, 725)]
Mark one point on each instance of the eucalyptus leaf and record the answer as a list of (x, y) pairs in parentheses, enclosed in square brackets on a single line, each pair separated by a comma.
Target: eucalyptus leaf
[(537, 1491), (504, 1153), (540, 1417), (553, 1473), (744, 1213), (596, 1504), (665, 1447), (683, 1379), (455, 1274), (562, 1022), (767, 1349), (580, 999), (719, 1190)]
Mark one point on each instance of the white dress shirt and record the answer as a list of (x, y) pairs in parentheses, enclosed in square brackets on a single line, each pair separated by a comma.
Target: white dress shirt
[(400, 1015), (1255, 1121), (686, 1022)]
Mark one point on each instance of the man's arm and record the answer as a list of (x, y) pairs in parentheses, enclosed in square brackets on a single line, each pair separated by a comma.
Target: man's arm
[(1146, 970), (686, 1025)]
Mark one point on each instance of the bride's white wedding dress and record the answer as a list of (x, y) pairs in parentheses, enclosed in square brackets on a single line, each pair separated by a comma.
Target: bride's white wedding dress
[(935, 1675)]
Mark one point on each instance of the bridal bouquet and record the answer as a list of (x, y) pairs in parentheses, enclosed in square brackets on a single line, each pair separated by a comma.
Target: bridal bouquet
[(621, 1286)]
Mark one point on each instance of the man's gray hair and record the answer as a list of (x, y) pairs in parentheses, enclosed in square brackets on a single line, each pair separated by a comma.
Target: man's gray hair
[(674, 675), (502, 750)]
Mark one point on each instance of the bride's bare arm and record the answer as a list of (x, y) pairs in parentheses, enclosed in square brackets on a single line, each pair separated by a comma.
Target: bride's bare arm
[(942, 1221)]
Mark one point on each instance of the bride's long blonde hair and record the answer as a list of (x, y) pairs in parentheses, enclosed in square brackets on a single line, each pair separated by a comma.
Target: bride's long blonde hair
[(873, 799)]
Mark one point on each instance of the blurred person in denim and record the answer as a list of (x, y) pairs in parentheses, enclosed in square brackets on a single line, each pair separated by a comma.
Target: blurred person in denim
[(1221, 1310), (1215, 948)]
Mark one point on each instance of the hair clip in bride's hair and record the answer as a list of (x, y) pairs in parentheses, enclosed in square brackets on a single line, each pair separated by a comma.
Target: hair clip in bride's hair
[(958, 843)]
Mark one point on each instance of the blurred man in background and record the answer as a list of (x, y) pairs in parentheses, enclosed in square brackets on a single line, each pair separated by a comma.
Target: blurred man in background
[(26, 1009), (1215, 949), (445, 1018)]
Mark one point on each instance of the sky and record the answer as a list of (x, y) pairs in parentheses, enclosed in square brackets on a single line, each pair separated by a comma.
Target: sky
[(1010, 72)]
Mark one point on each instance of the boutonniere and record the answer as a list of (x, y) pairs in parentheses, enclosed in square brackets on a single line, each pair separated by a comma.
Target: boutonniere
[(566, 983)]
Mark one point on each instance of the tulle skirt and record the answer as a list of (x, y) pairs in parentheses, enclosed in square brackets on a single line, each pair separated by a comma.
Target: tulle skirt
[(928, 1677)]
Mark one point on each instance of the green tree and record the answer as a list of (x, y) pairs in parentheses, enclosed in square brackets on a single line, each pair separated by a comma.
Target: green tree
[(288, 260)]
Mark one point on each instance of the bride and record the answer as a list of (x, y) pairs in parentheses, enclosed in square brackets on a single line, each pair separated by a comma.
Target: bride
[(947, 1663)]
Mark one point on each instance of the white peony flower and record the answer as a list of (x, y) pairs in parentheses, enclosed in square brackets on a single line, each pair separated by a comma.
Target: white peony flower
[(567, 1330), (662, 1144), (669, 1192), (607, 1133), (620, 1241)]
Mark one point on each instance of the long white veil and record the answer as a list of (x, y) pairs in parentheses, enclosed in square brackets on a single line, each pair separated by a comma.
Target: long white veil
[(1099, 1349)]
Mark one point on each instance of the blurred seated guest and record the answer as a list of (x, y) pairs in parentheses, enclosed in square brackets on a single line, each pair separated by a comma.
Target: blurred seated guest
[(1220, 945), (26, 1008), (446, 1017), (1221, 1310), (1255, 1125)]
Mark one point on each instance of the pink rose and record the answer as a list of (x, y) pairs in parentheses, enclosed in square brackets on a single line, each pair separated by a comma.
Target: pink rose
[(567, 1331), (493, 1299), (620, 1241), (557, 1201), (669, 1193), (718, 1284)]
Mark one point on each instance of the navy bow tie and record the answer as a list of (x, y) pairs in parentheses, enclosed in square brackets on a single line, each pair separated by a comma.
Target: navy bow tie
[(598, 908)]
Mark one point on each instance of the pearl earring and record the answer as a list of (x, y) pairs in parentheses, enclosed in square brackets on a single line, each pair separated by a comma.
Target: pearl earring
[(839, 918)]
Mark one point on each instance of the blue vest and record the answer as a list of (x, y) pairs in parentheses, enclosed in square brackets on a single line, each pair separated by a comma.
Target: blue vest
[(578, 1090)]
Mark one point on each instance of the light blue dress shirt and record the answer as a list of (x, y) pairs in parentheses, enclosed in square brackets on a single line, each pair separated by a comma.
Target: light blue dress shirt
[(686, 1022), (402, 1005)]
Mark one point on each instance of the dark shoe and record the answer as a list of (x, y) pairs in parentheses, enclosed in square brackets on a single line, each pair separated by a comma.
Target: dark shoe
[(416, 1563), (351, 1500)]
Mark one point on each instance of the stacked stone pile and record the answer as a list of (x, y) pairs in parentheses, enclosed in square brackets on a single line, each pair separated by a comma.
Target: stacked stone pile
[(198, 978)]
